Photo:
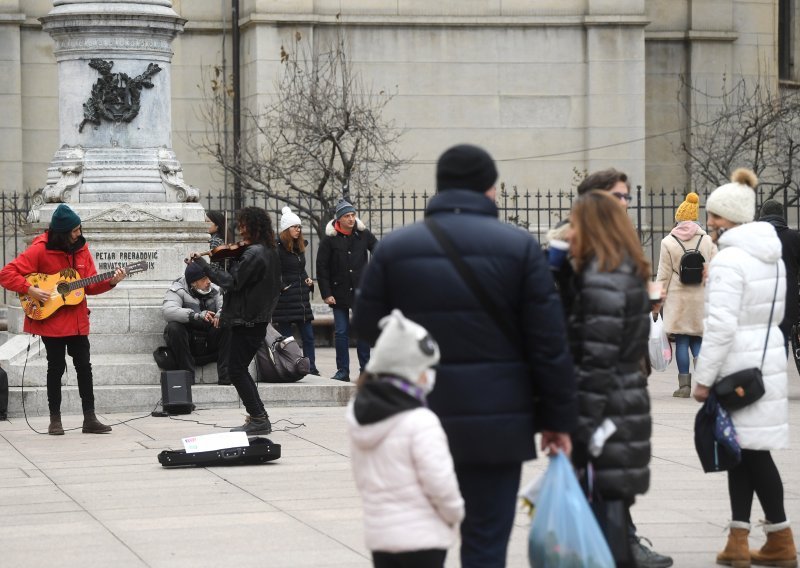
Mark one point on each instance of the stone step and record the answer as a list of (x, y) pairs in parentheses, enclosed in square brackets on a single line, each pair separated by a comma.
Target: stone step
[(144, 398)]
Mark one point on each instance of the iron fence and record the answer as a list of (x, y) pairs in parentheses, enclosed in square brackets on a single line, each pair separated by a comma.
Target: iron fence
[(652, 212)]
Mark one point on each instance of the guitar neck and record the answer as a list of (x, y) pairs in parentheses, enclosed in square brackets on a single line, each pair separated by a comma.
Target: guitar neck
[(83, 282)]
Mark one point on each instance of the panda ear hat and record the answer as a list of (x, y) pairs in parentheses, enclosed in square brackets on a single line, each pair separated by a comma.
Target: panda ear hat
[(404, 349)]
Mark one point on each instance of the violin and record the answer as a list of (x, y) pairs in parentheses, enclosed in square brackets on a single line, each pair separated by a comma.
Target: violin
[(223, 252)]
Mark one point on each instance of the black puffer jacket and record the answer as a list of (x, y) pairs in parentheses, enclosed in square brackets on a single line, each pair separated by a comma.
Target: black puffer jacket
[(340, 260), (608, 329), (486, 386), (293, 304), (251, 288), (790, 242)]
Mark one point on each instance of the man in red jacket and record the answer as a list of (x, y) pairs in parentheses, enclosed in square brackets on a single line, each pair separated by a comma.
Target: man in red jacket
[(62, 246)]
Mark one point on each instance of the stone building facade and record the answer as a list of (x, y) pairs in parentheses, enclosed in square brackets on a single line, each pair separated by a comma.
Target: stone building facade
[(548, 87)]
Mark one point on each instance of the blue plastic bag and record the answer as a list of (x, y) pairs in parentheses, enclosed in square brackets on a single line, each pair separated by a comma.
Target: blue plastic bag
[(564, 532)]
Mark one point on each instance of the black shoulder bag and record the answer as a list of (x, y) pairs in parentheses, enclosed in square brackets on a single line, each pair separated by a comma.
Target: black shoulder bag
[(744, 387), (473, 284)]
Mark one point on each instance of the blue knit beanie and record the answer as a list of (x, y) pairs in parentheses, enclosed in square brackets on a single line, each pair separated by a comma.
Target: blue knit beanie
[(64, 219), (343, 208)]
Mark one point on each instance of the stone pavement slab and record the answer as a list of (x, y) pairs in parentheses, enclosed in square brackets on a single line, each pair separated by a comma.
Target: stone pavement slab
[(87, 500)]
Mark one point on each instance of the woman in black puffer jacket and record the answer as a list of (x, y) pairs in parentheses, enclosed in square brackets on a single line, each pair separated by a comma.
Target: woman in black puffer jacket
[(608, 330), (294, 305)]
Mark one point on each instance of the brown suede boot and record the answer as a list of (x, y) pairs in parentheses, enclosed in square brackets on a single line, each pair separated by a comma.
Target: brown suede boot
[(737, 551), (779, 550), (55, 428), (91, 425)]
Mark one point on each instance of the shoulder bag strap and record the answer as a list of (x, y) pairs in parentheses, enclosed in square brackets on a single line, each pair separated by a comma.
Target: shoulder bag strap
[(771, 311), (473, 283)]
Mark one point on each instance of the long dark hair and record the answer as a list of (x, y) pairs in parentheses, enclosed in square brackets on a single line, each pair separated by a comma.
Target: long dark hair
[(59, 240), (218, 218), (258, 224)]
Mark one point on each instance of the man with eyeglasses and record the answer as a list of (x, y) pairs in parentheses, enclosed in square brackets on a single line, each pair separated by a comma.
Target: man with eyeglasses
[(610, 180)]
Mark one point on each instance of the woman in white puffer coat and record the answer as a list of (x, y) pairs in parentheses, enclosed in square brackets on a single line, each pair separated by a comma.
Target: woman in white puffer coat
[(401, 460), (743, 281)]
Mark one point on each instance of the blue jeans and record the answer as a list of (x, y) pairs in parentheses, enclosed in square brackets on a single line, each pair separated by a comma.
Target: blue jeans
[(341, 330), (684, 343), (306, 335)]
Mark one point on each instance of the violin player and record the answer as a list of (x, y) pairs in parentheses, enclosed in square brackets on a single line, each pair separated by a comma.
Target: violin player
[(62, 247), (251, 291)]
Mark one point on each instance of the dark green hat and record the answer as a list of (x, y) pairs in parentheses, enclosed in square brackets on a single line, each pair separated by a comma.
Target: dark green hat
[(64, 219)]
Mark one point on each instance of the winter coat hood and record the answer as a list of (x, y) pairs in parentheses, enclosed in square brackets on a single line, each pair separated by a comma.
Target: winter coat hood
[(685, 230), (757, 239)]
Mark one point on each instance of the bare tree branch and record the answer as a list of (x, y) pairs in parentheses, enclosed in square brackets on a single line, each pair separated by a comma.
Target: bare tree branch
[(322, 132)]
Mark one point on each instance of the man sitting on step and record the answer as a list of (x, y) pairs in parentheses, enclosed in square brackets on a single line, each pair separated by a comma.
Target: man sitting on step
[(191, 309)]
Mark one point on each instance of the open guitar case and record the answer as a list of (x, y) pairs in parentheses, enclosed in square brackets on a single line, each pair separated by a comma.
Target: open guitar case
[(260, 450)]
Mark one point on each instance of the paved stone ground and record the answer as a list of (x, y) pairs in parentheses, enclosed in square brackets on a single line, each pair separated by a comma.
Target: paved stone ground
[(82, 500)]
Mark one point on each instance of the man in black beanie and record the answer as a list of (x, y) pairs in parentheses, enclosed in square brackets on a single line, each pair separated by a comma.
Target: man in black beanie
[(772, 213), (62, 247), (495, 354)]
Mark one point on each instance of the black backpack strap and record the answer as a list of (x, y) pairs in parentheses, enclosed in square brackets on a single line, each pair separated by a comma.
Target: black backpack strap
[(472, 282), (678, 241)]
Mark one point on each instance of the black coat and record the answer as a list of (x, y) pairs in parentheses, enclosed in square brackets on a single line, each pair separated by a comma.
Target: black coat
[(251, 288), (485, 386), (609, 325), (294, 304), (790, 241), (341, 260)]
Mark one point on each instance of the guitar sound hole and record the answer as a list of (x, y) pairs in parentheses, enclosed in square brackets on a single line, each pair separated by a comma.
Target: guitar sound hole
[(62, 288)]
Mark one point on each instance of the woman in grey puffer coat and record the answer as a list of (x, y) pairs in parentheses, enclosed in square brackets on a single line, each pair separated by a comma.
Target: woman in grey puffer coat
[(608, 329)]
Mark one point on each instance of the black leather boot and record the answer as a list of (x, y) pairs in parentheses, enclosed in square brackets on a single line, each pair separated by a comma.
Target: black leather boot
[(255, 426), (55, 428), (91, 425)]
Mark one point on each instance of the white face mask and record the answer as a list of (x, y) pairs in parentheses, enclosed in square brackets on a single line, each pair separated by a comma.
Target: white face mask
[(203, 292), (430, 376)]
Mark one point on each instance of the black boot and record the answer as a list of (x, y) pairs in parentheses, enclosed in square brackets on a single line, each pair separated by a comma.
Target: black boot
[(91, 425), (255, 426), (55, 428)]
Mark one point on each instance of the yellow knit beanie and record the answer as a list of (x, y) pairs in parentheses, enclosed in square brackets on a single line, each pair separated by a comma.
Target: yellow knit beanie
[(687, 211)]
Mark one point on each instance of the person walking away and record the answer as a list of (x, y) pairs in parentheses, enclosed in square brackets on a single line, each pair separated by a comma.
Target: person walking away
[(401, 462), (608, 328), (191, 306), (66, 331), (341, 258), (744, 279), (294, 304), (683, 306), (772, 213), (251, 291), (495, 386)]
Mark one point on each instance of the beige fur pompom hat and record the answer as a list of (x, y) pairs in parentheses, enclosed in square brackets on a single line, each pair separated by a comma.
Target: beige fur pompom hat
[(735, 201)]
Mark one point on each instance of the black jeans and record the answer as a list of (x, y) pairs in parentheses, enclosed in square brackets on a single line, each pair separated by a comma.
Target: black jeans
[(490, 499), (431, 558), (179, 336), (245, 341), (78, 348), (756, 473)]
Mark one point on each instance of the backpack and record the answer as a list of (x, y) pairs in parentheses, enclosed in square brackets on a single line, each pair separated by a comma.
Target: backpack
[(691, 265), (280, 359)]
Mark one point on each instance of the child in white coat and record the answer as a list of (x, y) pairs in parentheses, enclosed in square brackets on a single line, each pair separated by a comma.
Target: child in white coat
[(401, 461)]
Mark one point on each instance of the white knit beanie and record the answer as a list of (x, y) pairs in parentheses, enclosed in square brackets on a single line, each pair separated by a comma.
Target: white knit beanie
[(288, 219), (735, 201), (404, 349)]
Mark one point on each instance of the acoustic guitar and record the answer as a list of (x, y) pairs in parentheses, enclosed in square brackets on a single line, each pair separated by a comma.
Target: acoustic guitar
[(66, 289)]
